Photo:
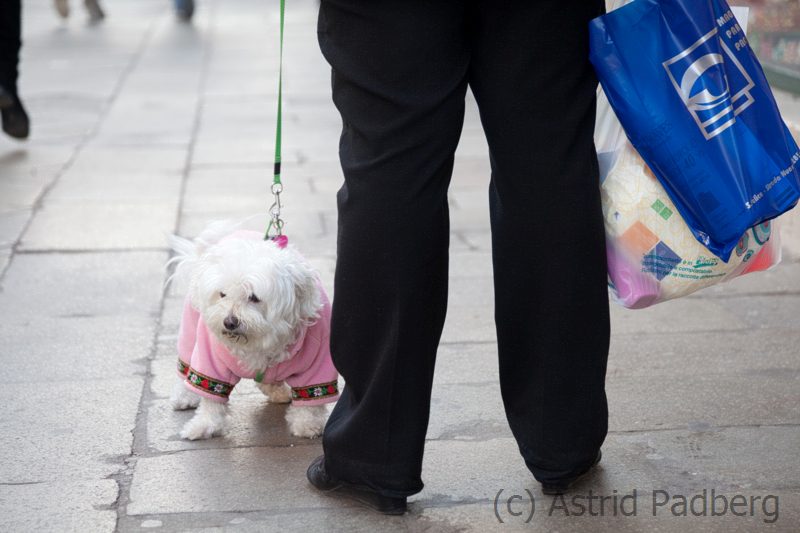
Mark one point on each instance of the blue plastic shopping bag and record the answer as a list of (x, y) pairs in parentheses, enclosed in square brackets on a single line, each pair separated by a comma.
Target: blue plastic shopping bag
[(695, 104)]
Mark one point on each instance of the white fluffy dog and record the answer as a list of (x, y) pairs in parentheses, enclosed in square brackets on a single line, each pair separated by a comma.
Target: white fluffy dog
[(255, 309)]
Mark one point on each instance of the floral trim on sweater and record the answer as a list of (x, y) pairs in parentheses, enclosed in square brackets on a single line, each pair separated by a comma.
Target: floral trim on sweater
[(315, 392), (183, 368), (210, 385)]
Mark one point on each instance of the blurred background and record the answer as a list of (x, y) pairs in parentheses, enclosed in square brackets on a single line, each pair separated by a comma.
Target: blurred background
[(774, 35)]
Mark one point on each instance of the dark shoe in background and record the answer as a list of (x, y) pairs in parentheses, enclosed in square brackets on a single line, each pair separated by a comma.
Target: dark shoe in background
[(560, 487), (96, 13), (15, 120), (318, 477), (184, 9)]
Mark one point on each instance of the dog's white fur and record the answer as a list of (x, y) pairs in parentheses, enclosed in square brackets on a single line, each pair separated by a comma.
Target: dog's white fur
[(222, 276)]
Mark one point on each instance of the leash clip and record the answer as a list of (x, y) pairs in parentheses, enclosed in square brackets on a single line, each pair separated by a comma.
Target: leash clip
[(275, 208)]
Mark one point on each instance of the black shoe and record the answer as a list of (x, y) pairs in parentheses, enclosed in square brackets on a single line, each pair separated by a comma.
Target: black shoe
[(318, 477), (560, 487), (15, 119)]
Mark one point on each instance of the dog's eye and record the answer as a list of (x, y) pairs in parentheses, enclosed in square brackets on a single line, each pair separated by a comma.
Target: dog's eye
[(221, 294), (253, 298)]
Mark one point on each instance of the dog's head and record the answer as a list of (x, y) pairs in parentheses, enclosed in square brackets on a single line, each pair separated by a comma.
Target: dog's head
[(254, 296)]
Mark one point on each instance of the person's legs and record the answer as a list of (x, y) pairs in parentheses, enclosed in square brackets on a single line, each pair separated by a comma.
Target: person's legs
[(10, 43), (14, 118), (536, 92), (399, 78)]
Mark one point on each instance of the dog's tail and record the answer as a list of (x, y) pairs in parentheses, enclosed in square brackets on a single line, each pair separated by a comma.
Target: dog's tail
[(187, 253)]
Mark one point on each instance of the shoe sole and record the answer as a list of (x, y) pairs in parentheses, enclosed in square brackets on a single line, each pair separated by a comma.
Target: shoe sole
[(346, 491), (364, 501), (356, 495), (552, 490)]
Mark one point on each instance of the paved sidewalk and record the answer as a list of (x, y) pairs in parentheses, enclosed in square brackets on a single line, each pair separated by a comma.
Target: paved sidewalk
[(143, 126)]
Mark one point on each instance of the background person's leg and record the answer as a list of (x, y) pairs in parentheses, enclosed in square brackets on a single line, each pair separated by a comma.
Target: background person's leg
[(399, 79), (10, 26), (536, 91), (13, 116)]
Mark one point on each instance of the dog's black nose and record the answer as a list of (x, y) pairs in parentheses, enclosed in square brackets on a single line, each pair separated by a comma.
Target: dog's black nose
[(231, 323)]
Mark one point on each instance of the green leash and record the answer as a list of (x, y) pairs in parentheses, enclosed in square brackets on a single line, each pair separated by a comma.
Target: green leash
[(276, 221)]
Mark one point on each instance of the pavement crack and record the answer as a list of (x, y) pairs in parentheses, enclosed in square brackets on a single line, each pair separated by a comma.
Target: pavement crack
[(124, 478)]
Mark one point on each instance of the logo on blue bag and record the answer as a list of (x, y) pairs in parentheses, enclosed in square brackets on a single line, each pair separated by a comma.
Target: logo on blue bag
[(712, 83)]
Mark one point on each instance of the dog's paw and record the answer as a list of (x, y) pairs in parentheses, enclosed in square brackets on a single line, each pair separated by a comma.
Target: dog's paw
[(306, 422), (184, 401), (182, 398), (201, 429), (277, 392), (306, 431)]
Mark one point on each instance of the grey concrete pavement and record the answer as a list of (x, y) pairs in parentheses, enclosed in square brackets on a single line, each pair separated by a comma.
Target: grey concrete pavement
[(144, 126)]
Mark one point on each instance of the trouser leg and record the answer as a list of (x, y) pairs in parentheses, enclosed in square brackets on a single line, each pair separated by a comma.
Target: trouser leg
[(536, 92), (10, 43), (399, 78)]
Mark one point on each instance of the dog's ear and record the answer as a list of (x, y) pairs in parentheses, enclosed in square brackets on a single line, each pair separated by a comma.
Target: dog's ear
[(188, 254), (306, 290), (204, 278)]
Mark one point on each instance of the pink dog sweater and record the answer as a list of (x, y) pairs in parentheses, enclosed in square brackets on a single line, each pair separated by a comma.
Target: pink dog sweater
[(212, 371)]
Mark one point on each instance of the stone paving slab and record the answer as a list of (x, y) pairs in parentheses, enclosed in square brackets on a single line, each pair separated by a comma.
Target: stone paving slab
[(74, 227), (466, 362), (342, 518), (94, 159), (459, 473), (67, 430), (677, 316), (26, 172), (648, 403), (777, 311), (145, 187), (474, 411), (76, 349), (119, 284), (469, 323), (59, 506), (470, 264), (12, 222), (149, 119), (743, 352), (243, 479), (5, 258), (674, 459), (549, 516)]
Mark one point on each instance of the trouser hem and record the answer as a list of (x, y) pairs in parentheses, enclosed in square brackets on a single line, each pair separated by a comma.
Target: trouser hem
[(391, 480), (543, 475)]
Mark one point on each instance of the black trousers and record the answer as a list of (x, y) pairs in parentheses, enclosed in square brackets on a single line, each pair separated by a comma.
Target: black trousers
[(10, 11), (400, 73)]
